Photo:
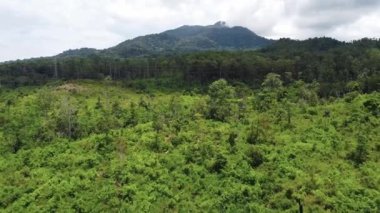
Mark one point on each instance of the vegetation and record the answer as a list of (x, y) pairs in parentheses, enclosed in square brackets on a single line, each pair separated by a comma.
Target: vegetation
[(155, 125), (95, 146), (338, 67)]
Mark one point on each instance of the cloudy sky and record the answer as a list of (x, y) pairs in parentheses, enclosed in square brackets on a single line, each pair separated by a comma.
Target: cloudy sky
[(31, 28)]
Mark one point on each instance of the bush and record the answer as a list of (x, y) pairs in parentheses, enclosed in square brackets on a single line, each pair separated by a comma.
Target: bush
[(373, 106), (218, 163), (254, 157), (360, 154), (349, 97)]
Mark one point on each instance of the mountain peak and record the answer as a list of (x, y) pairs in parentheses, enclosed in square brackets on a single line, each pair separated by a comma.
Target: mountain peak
[(220, 24), (188, 38)]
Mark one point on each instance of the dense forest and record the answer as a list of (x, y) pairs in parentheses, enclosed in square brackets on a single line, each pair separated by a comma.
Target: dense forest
[(329, 62), (292, 127)]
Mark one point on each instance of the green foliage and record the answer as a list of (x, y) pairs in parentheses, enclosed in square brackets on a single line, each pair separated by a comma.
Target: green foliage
[(220, 104), (338, 67), (373, 106), (254, 157), (232, 139), (360, 155), (91, 146), (218, 164), (272, 81), (353, 86)]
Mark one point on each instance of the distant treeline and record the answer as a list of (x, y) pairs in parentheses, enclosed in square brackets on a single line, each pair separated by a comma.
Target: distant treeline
[(333, 64)]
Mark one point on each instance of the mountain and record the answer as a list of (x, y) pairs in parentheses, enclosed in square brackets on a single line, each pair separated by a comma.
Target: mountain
[(184, 39), (79, 52), (192, 38)]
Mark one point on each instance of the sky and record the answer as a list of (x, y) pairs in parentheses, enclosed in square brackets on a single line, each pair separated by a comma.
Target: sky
[(33, 28)]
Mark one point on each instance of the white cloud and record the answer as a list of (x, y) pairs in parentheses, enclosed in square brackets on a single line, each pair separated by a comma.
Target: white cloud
[(366, 26), (46, 27)]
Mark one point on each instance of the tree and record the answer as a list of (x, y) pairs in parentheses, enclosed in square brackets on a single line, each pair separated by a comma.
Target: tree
[(67, 117), (272, 81), (267, 98), (353, 86), (220, 105), (307, 92), (44, 100)]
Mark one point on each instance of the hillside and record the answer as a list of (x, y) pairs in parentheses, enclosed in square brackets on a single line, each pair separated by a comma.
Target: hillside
[(183, 39), (83, 52), (96, 146)]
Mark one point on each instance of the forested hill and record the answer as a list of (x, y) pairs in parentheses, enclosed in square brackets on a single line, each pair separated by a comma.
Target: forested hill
[(183, 39), (83, 52), (289, 46), (286, 46)]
